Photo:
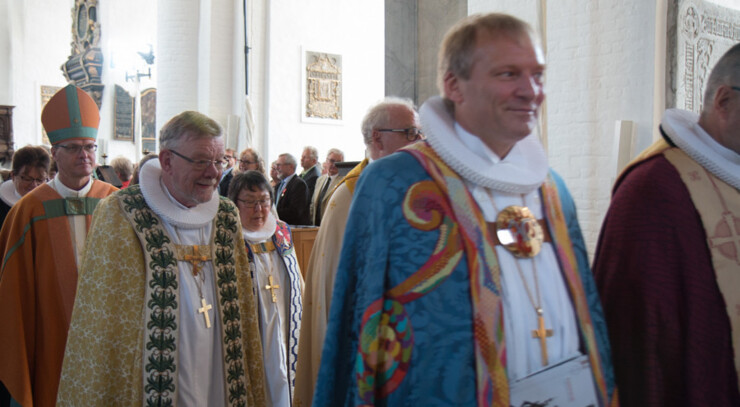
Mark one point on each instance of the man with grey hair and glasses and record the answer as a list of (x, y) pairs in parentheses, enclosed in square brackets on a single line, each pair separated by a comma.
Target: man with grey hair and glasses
[(165, 311), (389, 125), (463, 278), (668, 260)]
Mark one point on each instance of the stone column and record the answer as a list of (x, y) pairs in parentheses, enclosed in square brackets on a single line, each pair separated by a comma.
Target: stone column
[(177, 57), (413, 34)]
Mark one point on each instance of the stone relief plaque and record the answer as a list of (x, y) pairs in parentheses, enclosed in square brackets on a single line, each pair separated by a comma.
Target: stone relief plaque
[(704, 32), (323, 86), (124, 119), (46, 93)]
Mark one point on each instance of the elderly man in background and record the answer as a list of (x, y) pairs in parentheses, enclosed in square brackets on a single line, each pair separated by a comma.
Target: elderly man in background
[(389, 125), (668, 260), (325, 185), (29, 169), (463, 278), (310, 164), (43, 238), (124, 170), (291, 195), (166, 309)]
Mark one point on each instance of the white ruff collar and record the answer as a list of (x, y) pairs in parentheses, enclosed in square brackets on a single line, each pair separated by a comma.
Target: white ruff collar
[(683, 129), (264, 233), (164, 205), (8, 193), (522, 171)]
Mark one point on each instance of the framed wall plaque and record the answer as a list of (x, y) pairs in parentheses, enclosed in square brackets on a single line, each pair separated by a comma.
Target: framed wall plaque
[(322, 86), (149, 120), (124, 118)]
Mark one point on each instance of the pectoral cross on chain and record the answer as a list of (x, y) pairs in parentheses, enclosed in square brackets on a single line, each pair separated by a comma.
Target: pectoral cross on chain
[(204, 310), (195, 259), (541, 333), (272, 287)]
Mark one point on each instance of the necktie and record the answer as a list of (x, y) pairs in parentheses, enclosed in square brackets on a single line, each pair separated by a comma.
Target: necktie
[(321, 198), (279, 191)]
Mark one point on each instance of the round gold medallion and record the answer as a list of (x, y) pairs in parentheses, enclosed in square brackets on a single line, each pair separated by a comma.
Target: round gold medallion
[(519, 232)]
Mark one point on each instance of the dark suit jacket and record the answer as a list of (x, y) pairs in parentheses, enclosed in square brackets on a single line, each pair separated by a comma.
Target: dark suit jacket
[(310, 177), (292, 206), (223, 187)]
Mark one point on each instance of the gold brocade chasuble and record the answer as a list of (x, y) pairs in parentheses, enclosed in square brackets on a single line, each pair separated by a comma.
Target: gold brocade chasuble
[(718, 204)]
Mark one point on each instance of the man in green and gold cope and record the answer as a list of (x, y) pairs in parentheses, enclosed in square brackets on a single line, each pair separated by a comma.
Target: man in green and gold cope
[(463, 278), (42, 241), (165, 312)]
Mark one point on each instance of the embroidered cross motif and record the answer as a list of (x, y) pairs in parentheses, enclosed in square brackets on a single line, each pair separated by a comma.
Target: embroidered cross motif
[(196, 259), (728, 223), (204, 310), (272, 287), (541, 333)]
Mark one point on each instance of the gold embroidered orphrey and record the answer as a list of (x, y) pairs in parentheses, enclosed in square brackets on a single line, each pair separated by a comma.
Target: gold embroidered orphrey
[(519, 232), (323, 85)]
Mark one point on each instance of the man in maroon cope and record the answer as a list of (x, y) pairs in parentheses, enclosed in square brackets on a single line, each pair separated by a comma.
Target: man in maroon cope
[(668, 260)]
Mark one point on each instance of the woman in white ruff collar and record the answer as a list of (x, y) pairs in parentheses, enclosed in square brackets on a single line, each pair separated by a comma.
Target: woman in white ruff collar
[(30, 169), (277, 279)]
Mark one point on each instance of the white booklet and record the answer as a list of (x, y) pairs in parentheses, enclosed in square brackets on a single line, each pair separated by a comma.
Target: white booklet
[(567, 384)]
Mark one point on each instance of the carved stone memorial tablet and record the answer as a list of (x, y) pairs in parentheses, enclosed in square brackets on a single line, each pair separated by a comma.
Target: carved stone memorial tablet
[(703, 33), (323, 85)]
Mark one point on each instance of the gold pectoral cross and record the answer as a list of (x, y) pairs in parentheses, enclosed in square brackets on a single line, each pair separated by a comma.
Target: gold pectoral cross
[(196, 259), (272, 287), (541, 333), (204, 310)]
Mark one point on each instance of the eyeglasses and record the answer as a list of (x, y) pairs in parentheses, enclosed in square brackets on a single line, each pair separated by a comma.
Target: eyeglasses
[(202, 164), (247, 162), (76, 148), (412, 133), (30, 179), (264, 203)]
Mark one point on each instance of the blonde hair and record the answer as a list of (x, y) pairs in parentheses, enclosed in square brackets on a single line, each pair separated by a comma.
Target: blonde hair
[(458, 46)]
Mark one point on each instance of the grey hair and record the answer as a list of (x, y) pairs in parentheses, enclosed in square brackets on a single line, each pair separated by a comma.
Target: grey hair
[(725, 72), (312, 151), (289, 159), (185, 124), (337, 152), (379, 115), (123, 167)]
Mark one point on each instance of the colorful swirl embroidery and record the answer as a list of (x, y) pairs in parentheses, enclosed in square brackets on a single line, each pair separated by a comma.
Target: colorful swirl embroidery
[(386, 335)]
